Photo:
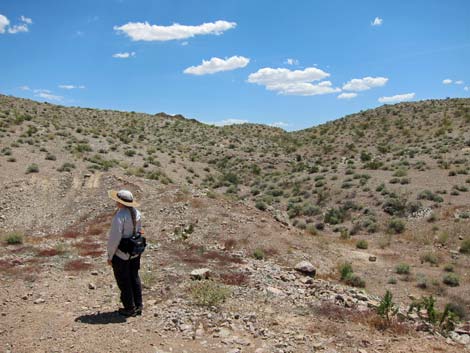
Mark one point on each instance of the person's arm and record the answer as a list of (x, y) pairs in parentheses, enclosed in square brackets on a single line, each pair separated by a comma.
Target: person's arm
[(115, 235)]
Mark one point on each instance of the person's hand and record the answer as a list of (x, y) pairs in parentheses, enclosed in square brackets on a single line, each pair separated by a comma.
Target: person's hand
[(110, 263)]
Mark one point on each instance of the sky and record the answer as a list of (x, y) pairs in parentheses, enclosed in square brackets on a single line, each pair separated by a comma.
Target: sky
[(286, 63)]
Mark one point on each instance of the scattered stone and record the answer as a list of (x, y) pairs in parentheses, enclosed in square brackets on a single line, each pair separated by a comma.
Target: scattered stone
[(40, 301), (306, 268), (372, 258), (200, 273), (91, 286)]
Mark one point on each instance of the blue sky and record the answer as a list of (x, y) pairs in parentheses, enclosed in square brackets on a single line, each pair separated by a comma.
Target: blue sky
[(291, 63)]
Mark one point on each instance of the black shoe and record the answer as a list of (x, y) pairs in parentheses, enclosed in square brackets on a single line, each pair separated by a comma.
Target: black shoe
[(138, 311), (126, 312)]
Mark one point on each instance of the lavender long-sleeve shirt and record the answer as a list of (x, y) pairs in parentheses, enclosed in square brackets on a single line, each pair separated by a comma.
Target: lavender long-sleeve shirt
[(121, 227)]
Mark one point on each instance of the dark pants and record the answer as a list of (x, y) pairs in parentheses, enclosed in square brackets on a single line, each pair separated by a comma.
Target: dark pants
[(127, 277)]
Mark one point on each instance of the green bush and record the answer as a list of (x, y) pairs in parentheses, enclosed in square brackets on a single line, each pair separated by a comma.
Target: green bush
[(345, 270), (355, 281), (362, 244), (66, 167), (32, 168), (14, 238), (402, 269), (259, 254), (430, 257), (451, 280), (209, 293), (396, 226), (260, 205), (334, 216), (387, 308)]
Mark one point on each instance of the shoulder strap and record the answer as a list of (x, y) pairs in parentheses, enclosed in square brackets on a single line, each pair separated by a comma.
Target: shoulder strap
[(133, 216)]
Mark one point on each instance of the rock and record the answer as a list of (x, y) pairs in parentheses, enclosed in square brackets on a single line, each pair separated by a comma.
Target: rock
[(462, 339), (200, 273), (94, 273), (274, 291), (372, 258), (91, 286), (306, 268), (39, 301)]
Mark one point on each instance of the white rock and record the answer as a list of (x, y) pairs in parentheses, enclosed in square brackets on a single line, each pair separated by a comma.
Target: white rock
[(200, 273)]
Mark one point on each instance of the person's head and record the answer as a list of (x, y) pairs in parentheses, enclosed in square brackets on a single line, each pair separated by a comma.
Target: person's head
[(123, 198)]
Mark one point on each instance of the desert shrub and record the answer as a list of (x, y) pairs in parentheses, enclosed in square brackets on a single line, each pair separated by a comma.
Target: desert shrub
[(66, 167), (458, 309), (392, 280), (402, 269), (421, 281), (129, 153), (14, 238), (430, 257), (260, 205), (430, 196), (362, 244), (32, 168), (209, 293), (452, 280), (259, 254), (395, 206), (345, 270), (449, 268), (355, 281), (387, 308), (311, 229), (51, 157), (334, 216), (465, 246), (396, 226)]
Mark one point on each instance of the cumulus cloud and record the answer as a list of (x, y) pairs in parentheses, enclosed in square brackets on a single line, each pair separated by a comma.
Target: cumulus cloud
[(4, 23), (298, 82), (17, 28), (447, 81), (466, 88), (230, 121), (24, 88), (377, 21), (216, 65), (397, 98), (124, 55), (345, 95), (147, 32), (459, 82), (26, 20), (71, 87), (291, 61), (363, 84)]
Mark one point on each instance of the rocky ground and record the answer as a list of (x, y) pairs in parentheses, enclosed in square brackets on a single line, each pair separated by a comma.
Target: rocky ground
[(58, 294)]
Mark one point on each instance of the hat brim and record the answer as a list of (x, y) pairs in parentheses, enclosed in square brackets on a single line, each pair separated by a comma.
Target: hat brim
[(113, 196)]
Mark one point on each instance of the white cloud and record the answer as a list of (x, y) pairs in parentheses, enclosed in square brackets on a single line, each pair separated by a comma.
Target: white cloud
[(4, 22), (459, 82), (279, 124), (397, 98), (124, 55), (228, 122), (18, 28), (298, 82), (345, 95), (447, 81), (216, 65), (47, 95), (363, 84), (24, 88), (147, 32), (291, 61), (466, 88), (26, 20), (185, 43), (71, 87), (377, 21)]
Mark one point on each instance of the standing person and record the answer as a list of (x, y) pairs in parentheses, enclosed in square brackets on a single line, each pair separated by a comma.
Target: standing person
[(126, 221)]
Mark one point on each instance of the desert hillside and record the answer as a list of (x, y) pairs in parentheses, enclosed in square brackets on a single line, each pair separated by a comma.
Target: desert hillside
[(374, 201)]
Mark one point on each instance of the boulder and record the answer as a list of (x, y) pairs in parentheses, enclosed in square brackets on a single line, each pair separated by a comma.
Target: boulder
[(200, 273), (306, 268)]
